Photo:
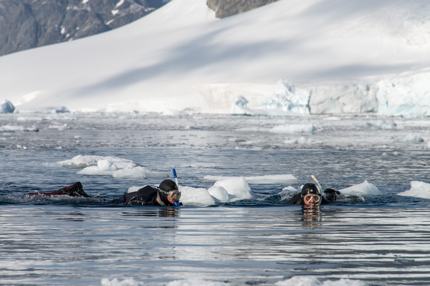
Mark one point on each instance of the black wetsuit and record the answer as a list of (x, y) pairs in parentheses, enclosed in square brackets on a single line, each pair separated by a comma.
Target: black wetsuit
[(74, 190), (145, 196)]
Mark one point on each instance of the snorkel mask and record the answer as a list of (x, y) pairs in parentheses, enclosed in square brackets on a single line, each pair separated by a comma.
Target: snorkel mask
[(311, 196)]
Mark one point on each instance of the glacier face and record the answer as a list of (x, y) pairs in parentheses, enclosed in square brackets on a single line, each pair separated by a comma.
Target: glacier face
[(335, 56)]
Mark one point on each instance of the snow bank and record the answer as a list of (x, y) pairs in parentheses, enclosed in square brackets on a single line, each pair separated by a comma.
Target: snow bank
[(364, 189), (312, 281), (259, 180), (6, 106), (108, 166), (417, 190)]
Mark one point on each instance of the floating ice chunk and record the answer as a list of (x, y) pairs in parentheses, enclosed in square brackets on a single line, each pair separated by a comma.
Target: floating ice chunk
[(384, 125), (364, 189), (219, 193), (196, 282), (293, 129), (299, 141), (6, 106), (17, 128), (108, 166), (59, 127), (312, 281), (196, 197), (259, 180), (287, 193), (118, 282), (413, 138), (237, 188), (137, 172), (417, 190)]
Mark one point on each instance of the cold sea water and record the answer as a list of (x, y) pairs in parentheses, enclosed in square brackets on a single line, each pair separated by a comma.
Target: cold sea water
[(377, 240)]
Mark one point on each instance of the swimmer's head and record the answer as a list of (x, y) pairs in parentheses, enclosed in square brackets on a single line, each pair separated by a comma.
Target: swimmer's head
[(311, 196), (171, 189), (168, 185)]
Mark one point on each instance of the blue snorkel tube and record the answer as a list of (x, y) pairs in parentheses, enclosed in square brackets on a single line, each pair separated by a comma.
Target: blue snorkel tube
[(174, 176)]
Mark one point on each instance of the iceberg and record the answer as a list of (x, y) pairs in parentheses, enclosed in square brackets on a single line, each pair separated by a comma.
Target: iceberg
[(6, 106)]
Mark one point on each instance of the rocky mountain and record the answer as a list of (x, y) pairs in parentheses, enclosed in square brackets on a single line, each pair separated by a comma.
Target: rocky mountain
[(26, 24), (225, 8)]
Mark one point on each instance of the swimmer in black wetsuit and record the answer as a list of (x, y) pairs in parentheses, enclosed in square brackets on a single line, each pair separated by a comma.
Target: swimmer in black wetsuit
[(167, 194), (311, 197)]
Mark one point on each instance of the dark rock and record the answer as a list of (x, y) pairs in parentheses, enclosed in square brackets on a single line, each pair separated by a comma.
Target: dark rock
[(226, 8), (27, 24)]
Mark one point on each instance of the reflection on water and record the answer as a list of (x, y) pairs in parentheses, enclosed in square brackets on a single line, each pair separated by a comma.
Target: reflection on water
[(311, 217), (61, 245), (152, 212)]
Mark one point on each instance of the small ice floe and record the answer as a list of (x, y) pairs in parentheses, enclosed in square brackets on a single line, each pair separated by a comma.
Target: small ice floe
[(294, 129), (18, 128), (298, 141), (119, 282), (259, 180), (383, 125), (287, 193), (418, 190), (108, 166), (223, 191), (196, 282), (59, 127), (361, 191), (313, 281), (412, 138), (196, 197), (6, 106)]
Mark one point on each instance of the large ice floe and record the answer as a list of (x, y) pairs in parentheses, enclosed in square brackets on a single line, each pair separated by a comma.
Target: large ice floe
[(223, 191), (360, 192), (418, 190), (108, 166)]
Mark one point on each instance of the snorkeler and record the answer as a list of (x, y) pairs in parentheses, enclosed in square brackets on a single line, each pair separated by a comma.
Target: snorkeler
[(311, 197), (166, 194)]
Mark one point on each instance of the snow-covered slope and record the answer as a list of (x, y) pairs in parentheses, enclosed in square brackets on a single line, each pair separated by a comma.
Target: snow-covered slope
[(181, 57)]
